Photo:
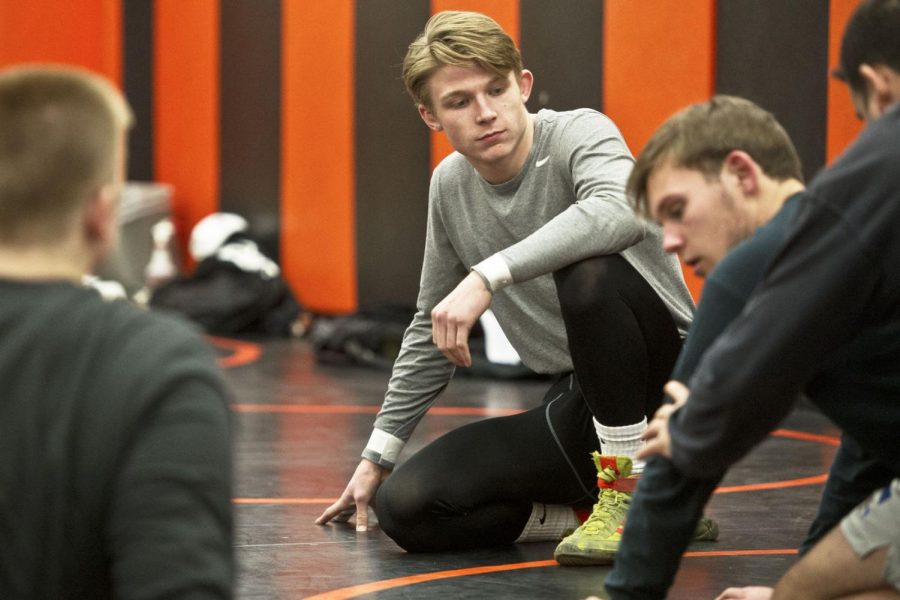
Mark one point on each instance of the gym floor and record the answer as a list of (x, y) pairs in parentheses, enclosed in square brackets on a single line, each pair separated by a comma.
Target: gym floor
[(300, 427)]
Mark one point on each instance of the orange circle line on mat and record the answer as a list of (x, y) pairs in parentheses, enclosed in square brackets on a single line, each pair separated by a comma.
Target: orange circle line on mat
[(386, 584), (284, 500), (242, 353), (751, 487), (829, 440)]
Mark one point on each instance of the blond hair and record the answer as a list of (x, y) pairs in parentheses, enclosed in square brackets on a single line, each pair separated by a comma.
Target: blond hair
[(702, 135), (60, 134), (461, 39)]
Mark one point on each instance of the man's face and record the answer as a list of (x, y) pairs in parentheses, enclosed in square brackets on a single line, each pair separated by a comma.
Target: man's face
[(701, 220), (484, 116)]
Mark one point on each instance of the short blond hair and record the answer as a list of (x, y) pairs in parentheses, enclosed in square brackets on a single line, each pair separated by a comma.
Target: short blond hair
[(60, 131), (702, 135), (461, 39)]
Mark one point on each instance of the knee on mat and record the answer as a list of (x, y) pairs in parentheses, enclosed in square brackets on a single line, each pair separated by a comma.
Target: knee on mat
[(402, 513)]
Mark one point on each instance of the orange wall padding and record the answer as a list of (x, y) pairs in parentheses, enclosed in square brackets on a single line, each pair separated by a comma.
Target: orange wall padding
[(841, 122), (658, 57), (318, 249), (86, 33), (186, 107), (506, 13)]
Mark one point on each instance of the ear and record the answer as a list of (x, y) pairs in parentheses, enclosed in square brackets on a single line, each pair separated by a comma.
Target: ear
[(430, 119), (526, 83), (741, 170), (877, 79), (101, 222)]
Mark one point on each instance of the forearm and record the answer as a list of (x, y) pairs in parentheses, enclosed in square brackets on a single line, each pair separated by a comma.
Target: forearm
[(419, 375), (593, 164), (420, 372), (592, 227)]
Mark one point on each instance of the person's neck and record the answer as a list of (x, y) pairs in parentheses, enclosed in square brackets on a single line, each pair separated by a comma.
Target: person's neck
[(780, 192), (41, 264)]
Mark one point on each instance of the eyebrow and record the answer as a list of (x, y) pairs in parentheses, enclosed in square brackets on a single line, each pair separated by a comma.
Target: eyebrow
[(665, 203), (453, 94)]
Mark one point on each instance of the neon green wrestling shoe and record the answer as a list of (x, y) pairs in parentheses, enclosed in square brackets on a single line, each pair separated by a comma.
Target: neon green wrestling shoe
[(596, 541)]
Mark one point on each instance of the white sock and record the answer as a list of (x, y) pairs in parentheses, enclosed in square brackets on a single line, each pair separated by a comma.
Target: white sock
[(548, 523), (622, 441)]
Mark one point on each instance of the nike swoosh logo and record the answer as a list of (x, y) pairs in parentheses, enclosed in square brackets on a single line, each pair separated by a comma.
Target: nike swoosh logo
[(542, 162)]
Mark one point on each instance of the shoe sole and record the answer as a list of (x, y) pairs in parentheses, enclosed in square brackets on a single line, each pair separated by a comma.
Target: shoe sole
[(576, 559)]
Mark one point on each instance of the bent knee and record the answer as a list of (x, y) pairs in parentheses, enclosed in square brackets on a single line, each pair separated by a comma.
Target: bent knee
[(592, 282), (417, 516), (403, 514)]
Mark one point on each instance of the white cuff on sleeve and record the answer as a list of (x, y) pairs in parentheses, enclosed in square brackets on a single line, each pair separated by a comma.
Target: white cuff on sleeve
[(495, 270), (383, 448)]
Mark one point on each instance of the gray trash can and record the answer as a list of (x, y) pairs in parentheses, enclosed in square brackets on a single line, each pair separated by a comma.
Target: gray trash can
[(143, 204)]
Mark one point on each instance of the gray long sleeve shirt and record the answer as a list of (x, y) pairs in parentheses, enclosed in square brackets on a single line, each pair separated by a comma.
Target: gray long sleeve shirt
[(566, 204)]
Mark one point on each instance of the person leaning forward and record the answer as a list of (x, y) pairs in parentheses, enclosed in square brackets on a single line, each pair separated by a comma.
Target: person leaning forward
[(824, 322)]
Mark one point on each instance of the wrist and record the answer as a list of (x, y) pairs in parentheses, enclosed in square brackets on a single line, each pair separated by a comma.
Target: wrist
[(383, 449), (484, 280), (494, 272)]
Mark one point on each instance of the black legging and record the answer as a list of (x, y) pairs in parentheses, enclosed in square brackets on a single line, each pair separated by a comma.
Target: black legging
[(622, 338), (474, 487)]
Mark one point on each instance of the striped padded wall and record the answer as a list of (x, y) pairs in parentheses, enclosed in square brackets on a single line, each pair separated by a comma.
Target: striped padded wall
[(186, 107), (87, 33), (137, 82), (362, 210), (776, 54), (564, 50), (659, 57), (843, 125), (392, 155), (318, 231), (250, 119)]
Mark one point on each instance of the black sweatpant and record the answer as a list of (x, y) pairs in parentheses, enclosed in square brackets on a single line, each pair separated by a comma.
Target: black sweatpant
[(474, 487)]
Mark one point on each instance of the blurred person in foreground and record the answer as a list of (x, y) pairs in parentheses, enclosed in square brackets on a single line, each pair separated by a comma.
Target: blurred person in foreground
[(115, 450)]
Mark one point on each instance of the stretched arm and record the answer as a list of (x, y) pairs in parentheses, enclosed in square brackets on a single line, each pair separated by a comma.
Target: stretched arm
[(421, 371), (419, 375)]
